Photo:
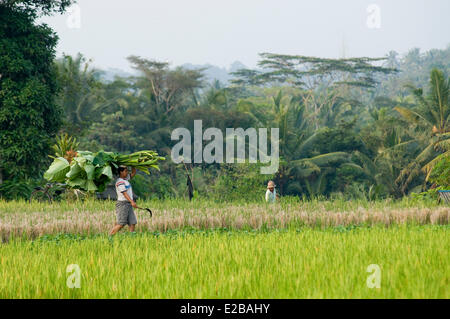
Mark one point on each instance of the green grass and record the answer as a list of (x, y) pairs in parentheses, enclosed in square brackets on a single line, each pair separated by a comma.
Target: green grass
[(291, 263)]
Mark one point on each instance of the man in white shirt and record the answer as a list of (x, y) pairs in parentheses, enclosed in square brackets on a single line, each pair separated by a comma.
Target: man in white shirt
[(125, 202), (271, 193)]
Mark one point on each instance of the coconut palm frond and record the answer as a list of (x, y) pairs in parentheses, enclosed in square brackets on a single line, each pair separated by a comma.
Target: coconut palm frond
[(367, 163), (308, 144), (411, 116), (355, 167), (426, 154), (408, 174), (399, 145), (439, 93), (317, 186), (443, 145), (303, 168), (428, 168), (325, 159)]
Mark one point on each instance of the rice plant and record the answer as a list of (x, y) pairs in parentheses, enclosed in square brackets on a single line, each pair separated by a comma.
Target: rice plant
[(296, 263)]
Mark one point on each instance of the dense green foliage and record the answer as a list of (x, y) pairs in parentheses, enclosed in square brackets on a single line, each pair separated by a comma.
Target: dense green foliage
[(336, 137), (29, 116), (38, 7), (441, 172)]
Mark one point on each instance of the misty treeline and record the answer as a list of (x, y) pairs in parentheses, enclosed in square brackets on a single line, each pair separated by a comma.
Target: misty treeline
[(351, 127)]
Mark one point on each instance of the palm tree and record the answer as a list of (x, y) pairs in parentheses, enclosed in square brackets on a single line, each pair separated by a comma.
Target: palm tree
[(80, 90), (431, 121), (313, 171)]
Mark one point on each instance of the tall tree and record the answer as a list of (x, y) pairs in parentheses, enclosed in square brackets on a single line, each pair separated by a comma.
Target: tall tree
[(29, 117), (311, 72), (168, 88)]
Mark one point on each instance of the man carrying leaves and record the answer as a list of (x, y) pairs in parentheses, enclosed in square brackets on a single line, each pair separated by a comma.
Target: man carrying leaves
[(125, 202)]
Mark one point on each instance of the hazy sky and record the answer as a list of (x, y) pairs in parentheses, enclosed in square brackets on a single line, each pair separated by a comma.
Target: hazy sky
[(221, 32)]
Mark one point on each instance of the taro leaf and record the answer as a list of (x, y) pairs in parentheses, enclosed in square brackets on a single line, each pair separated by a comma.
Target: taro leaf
[(89, 158), (101, 188), (103, 176), (81, 160), (102, 182), (99, 159), (89, 169), (107, 172), (58, 170), (75, 171), (102, 158), (104, 171), (79, 182), (98, 162), (85, 153), (90, 186), (98, 172)]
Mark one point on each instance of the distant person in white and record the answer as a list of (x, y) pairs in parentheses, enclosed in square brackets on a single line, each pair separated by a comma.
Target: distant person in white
[(271, 193)]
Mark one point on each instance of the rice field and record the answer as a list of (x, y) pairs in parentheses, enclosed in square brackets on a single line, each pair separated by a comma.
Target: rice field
[(303, 263), (203, 249)]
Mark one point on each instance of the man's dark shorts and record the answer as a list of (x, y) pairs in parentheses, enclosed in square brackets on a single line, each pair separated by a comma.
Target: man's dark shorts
[(125, 213)]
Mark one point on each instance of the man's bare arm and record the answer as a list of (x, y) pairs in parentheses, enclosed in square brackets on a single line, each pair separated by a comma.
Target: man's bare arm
[(133, 172), (129, 199)]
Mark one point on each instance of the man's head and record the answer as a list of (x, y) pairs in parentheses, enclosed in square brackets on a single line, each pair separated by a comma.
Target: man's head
[(123, 171), (271, 186)]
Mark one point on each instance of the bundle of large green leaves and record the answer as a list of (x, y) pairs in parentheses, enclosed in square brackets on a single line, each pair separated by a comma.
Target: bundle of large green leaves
[(93, 171)]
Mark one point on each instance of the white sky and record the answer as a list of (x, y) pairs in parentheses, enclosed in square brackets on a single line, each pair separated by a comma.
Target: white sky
[(221, 32)]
